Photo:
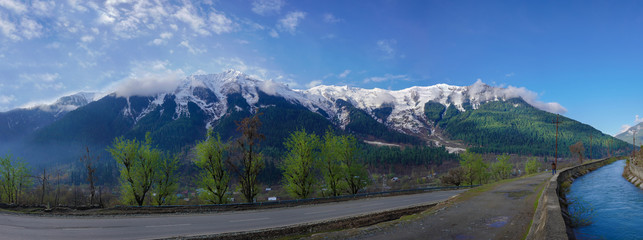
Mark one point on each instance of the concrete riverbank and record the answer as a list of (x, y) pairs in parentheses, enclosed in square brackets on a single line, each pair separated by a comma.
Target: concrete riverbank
[(550, 220)]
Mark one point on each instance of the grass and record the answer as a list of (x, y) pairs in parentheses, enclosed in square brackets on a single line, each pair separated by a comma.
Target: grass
[(540, 186)]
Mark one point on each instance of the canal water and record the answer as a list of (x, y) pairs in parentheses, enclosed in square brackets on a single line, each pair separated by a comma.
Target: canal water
[(617, 204)]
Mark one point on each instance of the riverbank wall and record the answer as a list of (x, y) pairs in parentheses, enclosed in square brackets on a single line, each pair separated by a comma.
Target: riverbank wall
[(551, 220), (634, 174)]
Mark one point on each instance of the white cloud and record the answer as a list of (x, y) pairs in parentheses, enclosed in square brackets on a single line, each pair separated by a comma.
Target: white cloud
[(511, 74), (87, 38), (330, 18), (386, 77), (44, 81), (30, 28), (314, 83), (187, 15), (14, 6), (624, 128), (271, 87), (166, 35), (220, 23), (273, 33), (75, 4), (44, 77), (344, 73), (387, 47), (266, 7), (240, 65), (8, 29), (290, 22), (105, 18), (191, 49), (143, 82), (162, 38), (44, 8), (530, 97), (6, 99), (46, 86)]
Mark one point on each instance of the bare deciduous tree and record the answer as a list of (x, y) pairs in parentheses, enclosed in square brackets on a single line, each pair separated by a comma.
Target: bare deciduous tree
[(44, 182), (248, 162), (88, 161), (578, 149)]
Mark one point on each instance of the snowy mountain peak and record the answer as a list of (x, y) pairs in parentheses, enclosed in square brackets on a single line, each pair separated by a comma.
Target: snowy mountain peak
[(406, 106), (68, 103)]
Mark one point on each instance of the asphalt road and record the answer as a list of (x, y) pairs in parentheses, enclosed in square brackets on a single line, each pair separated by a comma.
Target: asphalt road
[(162, 226)]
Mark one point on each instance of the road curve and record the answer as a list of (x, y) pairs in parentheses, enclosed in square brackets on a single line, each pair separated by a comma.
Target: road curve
[(162, 226)]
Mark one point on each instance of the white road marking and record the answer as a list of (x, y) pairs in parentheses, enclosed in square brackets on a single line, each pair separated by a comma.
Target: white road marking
[(249, 220), (327, 211), (168, 225)]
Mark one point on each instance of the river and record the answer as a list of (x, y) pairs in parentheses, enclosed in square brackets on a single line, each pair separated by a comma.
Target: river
[(617, 204)]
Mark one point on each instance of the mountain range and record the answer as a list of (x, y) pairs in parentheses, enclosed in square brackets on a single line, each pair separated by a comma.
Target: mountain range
[(479, 117), (627, 135)]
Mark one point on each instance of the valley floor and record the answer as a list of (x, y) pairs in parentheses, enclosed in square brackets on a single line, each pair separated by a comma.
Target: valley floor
[(498, 211)]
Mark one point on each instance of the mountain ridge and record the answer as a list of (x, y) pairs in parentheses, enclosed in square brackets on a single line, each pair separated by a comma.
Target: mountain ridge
[(440, 115)]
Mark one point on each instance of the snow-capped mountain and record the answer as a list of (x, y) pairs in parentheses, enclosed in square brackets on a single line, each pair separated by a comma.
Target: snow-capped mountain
[(491, 119), (628, 134), (210, 92), (68, 103), (19, 122)]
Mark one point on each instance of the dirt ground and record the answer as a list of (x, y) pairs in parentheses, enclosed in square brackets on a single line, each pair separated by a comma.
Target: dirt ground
[(504, 211)]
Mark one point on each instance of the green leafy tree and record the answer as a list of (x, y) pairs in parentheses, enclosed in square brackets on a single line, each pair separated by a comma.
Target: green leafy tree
[(167, 181), (532, 166), (249, 161), (138, 163), (502, 168), (474, 167), (214, 177), (331, 165), (14, 178), (355, 173), (299, 177)]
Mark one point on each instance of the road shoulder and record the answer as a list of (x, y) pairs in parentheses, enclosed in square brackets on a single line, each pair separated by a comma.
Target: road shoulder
[(501, 210)]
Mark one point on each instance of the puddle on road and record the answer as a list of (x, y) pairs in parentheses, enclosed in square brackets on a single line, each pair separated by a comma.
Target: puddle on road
[(498, 221)]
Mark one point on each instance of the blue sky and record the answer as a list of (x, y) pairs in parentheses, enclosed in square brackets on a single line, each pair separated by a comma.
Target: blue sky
[(585, 55)]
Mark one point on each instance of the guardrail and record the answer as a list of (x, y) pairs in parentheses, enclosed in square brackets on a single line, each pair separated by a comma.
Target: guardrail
[(294, 201)]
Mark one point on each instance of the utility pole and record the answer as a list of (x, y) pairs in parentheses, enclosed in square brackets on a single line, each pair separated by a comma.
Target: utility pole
[(556, 122), (590, 147), (609, 148), (633, 143)]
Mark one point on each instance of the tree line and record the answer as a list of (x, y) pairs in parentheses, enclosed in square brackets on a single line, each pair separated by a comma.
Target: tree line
[(311, 162), (473, 170)]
